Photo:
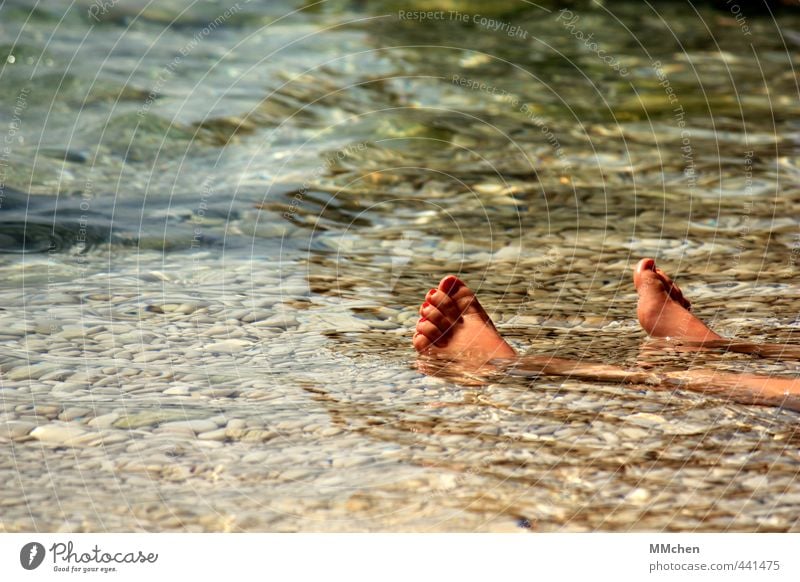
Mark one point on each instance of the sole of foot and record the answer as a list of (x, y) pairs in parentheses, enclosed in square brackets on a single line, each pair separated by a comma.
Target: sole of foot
[(454, 325), (663, 311)]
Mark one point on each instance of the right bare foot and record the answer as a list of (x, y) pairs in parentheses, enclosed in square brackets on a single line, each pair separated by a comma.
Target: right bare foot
[(454, 325), (663, 311)]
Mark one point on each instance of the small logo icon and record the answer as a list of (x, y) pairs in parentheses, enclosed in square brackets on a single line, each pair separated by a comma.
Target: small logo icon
[(31, 555)]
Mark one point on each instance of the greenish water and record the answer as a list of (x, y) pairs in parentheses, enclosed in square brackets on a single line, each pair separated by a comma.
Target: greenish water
[(218, 221)]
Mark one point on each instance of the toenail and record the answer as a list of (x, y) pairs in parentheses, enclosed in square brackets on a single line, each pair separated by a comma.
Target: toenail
[(450, 284), (647, 265), (432, 291), (426, 304)]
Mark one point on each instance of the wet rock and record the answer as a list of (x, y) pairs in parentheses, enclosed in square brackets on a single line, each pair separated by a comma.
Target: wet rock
[(57, 433), (230, 346), (14, 429)]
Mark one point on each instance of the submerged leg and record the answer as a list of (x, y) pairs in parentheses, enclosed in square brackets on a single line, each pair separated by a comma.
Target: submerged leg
[(455, 327)]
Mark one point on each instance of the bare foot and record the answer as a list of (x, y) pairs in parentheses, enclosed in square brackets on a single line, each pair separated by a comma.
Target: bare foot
[(663, 311), (454, 325)]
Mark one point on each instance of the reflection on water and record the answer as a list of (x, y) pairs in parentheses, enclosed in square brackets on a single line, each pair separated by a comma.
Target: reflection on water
[(218, 224)]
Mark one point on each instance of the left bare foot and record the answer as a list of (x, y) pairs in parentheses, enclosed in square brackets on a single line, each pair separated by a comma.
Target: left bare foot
[(454, 325)]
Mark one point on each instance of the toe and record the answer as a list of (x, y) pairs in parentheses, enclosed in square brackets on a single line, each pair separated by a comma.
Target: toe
[(451, 284), (439, 319), (430, 330), (445, 304), (421, 343), (646, 277), (642, 270), (645, 264), (673, 290)]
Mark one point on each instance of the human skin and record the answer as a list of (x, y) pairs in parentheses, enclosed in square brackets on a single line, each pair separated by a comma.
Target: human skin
[(664, 312), (454, 326)]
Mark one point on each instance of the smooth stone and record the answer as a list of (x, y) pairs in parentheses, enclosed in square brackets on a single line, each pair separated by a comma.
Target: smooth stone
[(98, 438), (34, 372), (71, 387), (16, 428), (47, 410), (104, 420), (213, 435), (74, 412), (280, 320), (196, 426), (338, 322), (634, 433), (71, 332), (645, 419), (256, 457), (57, 433), (344, 462), (148, 418), (58, 375), (295, 474), (147, 357), (188, 308), (256, 435), (253, 316), (331, 431), (174, 430), (223, 331), (230, 346), (638, 495)]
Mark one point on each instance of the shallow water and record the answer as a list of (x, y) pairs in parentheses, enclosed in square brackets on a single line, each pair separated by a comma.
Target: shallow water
[(212, 265)]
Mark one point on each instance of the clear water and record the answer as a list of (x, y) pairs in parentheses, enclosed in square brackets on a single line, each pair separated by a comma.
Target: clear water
[(230, 218)]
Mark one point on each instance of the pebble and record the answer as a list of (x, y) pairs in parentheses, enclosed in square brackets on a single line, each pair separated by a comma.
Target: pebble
[(223, 331), (634, 434), (281, 320), (214, 435), (71, 332), (104, 420), (34, 372), (149, 357), (15, 428), (144, 419), (638, 495), (57, 433), (230, 346), (257, 457), (344, 461), (337, 322), (646, 419), (73, 413), (58, 375), (253, 316), (331, 431), (196, 426), (295, 474)]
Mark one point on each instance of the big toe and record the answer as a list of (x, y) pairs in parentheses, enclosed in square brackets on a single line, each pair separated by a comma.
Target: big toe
[(451, 284), (644, 273)]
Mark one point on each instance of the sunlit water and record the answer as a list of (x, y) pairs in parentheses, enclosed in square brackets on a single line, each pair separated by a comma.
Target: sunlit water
[(219, 222)]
